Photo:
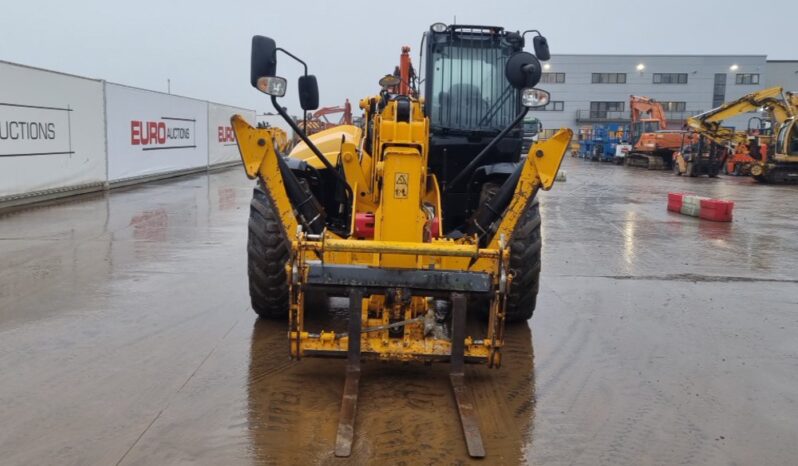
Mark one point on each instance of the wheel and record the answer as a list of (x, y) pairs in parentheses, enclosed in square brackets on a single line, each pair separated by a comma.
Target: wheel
[(737, 169), (267, 254), (525, 247)]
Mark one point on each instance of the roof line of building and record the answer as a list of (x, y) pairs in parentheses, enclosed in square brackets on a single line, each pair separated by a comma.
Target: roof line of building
[(654, 55), (47, 70)]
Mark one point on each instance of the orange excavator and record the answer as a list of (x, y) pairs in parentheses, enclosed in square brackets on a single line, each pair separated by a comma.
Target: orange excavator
[(653, 144)]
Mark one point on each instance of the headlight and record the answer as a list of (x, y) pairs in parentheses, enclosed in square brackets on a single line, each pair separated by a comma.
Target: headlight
[(532, 97), (272, 85)]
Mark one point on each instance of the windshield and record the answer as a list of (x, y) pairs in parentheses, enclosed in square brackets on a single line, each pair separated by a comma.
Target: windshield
[(469, 90)]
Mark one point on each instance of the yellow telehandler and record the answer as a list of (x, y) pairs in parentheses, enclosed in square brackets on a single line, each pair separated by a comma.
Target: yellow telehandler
[(424, 214)]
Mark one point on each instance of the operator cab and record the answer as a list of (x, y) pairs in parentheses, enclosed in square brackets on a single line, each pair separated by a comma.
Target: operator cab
[(470, 100)]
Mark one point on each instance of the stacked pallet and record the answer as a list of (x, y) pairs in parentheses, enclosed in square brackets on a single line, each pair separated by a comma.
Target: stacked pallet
[(717, 210)]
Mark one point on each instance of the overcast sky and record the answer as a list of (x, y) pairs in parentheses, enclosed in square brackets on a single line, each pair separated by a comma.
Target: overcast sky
[(203, 47)]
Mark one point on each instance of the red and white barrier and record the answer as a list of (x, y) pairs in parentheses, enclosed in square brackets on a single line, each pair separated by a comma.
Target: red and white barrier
[(717, 210)]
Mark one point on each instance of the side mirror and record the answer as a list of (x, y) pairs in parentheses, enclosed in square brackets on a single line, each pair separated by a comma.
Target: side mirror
[(308, 92), (264, 60), (523, 70), (541, 48)]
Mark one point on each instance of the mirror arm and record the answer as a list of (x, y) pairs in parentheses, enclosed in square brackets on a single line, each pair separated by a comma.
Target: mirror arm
[(305, 65), (314, 149), (294, 57), (530, 30)]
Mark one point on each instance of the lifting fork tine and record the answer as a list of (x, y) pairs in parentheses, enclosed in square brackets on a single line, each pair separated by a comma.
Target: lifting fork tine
[(346, 420), (465, 403)]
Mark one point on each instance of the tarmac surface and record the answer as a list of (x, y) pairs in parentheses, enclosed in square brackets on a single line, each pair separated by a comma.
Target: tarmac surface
[(126, 337)]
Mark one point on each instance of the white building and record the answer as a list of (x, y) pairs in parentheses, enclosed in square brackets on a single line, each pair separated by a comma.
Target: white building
[(588, 90)]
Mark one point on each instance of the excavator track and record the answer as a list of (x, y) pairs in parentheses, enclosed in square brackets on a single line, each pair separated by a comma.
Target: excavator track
[(781, 175), (651, 162)]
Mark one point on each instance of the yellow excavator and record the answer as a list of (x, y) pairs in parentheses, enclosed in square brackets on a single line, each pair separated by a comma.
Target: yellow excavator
[(362, 212), (778, 164)]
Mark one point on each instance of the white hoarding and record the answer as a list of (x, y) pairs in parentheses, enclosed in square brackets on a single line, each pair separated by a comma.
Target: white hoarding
[(222, 147), (151, 133), (51, 131)]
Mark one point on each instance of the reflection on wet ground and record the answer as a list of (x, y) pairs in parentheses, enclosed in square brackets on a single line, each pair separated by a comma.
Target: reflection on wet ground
[(126, 338), (406, 413)]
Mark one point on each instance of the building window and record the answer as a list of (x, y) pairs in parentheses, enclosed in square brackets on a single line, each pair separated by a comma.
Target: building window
[(747, 78), (553, 106), (601, 109), (719, 90), (674, 106), (670, 78), (609, 78), (552, 78)]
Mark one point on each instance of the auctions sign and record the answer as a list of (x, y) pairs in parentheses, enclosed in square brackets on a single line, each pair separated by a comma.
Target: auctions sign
[(164, 133), (32, 130), (225, 135)]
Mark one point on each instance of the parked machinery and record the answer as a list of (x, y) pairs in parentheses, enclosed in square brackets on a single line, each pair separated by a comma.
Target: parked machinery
[(426, 213), (756, 139), (320, 120), (703, 157), (281, 142), (601, 142), (532, 129), (771, 160), (653, 144)]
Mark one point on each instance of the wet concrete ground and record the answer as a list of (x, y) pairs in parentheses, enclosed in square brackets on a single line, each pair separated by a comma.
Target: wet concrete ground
[(126, 338)]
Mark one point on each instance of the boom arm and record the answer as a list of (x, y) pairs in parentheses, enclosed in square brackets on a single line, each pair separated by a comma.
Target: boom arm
[(645, 105), (772, 99)]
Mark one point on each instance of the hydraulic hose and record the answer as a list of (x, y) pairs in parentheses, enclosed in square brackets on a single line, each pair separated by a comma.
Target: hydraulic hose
[(315, 150), (482, 224), (311, 213)]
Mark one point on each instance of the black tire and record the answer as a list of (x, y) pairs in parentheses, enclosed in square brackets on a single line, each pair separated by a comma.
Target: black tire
[(525, 248), (267, 254), (525, 264)]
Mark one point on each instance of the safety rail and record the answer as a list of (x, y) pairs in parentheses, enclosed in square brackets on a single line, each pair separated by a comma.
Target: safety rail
[(602, 116), (395, 247)]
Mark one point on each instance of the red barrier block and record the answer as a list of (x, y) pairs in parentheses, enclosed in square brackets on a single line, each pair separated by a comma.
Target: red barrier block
[(716, 210), (675, 202)]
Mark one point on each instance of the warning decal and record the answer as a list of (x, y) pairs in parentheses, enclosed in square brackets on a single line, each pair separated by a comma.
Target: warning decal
[(400, 186)]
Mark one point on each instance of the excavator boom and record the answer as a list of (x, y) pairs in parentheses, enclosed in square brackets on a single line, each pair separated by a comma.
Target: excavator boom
[(782, 108), (772, 100), (653, 147), (640, 106)]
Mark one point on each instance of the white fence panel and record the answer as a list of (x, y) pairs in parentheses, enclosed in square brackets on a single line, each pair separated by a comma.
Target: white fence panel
[(222, 147), (52, 134), (151, 133)]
